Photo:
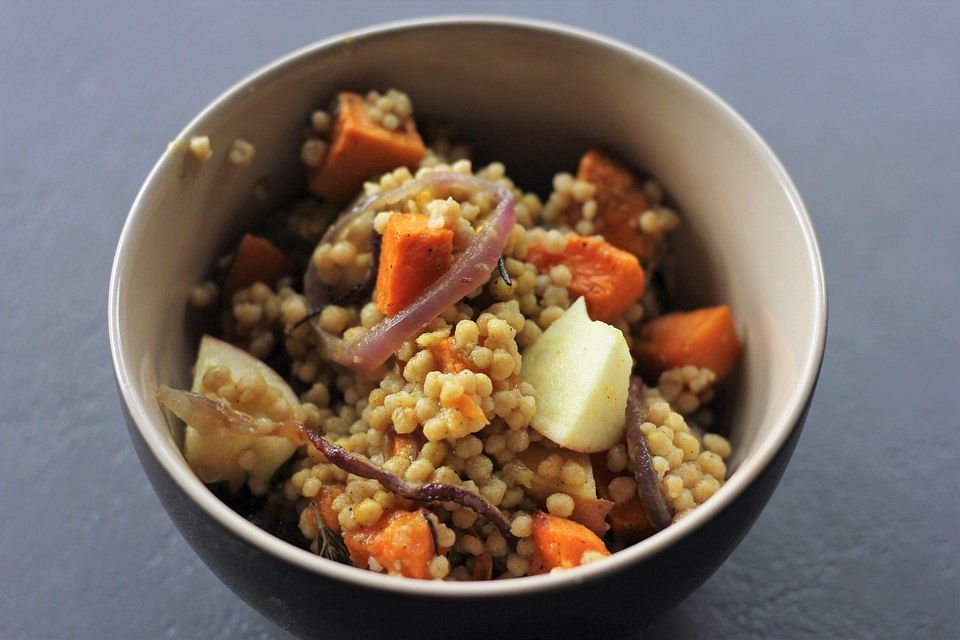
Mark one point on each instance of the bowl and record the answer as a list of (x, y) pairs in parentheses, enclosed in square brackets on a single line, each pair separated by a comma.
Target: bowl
[(533, 95)]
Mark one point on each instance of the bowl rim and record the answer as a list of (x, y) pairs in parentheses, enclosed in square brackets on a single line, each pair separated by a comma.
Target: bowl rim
[(781, 426)]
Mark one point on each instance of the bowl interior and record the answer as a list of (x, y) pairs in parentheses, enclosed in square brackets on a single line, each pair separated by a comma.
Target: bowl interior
[(744, 241)]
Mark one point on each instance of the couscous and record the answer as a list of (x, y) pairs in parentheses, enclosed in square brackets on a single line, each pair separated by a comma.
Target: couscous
[(424, 371)]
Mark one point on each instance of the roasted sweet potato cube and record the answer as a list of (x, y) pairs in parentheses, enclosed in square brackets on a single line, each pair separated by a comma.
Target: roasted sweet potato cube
[(361, 148)]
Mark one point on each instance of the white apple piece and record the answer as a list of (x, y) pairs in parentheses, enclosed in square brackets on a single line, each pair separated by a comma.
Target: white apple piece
[(581, 371), (214, 455)]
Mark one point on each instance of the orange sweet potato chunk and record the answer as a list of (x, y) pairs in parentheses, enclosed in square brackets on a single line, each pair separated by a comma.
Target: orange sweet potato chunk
[(630, 520), (482, 567), (559, 542), (448, 357), (704, 338), (592, 513), (466, 405), (257, 260), (324, 501), (627, 519), (360, 148), (401, 541), (620, 201), (412, 257), (407, 443), (608, 278)]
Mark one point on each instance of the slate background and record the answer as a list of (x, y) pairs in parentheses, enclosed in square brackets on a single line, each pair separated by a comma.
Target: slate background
[(858, 99)]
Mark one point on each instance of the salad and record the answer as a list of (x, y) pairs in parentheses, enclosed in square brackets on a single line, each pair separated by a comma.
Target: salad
[(422, 370)]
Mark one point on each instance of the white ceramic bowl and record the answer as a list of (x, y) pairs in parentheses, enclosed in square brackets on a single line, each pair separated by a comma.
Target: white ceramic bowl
[(533, 95)]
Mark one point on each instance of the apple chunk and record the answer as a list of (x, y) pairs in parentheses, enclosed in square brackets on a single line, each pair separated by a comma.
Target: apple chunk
[(581, 371), (214, 455)]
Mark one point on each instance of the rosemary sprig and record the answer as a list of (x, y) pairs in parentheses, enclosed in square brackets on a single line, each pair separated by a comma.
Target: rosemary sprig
[(329, 543)]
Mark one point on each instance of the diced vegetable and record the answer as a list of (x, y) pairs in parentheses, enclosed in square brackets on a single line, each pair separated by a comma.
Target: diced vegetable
[(703, 338), (609, 279), (482, 567), (412, 257), (324, 501), (592, 513), (581, 371), (620, 201), (626, 519), (559, 542), (361, 148), (448, 357), (629, 520), (257, 260), (400, 541), (214, 455), (407, 443), (470, 409)]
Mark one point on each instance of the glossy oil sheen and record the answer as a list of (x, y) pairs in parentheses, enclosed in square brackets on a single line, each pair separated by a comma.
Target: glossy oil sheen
[(746, 241)]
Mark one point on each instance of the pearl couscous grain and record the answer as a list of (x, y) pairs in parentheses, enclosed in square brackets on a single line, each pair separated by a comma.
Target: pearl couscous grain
[(200, 148), (242, 152)]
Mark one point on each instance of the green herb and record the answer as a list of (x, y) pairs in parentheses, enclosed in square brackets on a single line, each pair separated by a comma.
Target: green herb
[(433, 533), (329, 543), (502, 267)]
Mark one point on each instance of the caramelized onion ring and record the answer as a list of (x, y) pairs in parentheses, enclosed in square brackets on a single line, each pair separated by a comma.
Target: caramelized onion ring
[(648, 487)]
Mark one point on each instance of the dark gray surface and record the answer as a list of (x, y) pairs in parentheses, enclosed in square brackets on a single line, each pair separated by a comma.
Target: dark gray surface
[(858, 100)]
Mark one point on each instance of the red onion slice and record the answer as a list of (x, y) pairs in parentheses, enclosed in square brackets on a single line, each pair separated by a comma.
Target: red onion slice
[(471, 269), (648, 486), (313, 289), (203, 413)]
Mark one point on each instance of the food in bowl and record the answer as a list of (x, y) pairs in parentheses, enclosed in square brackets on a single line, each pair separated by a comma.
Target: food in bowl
[(424, 371)]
